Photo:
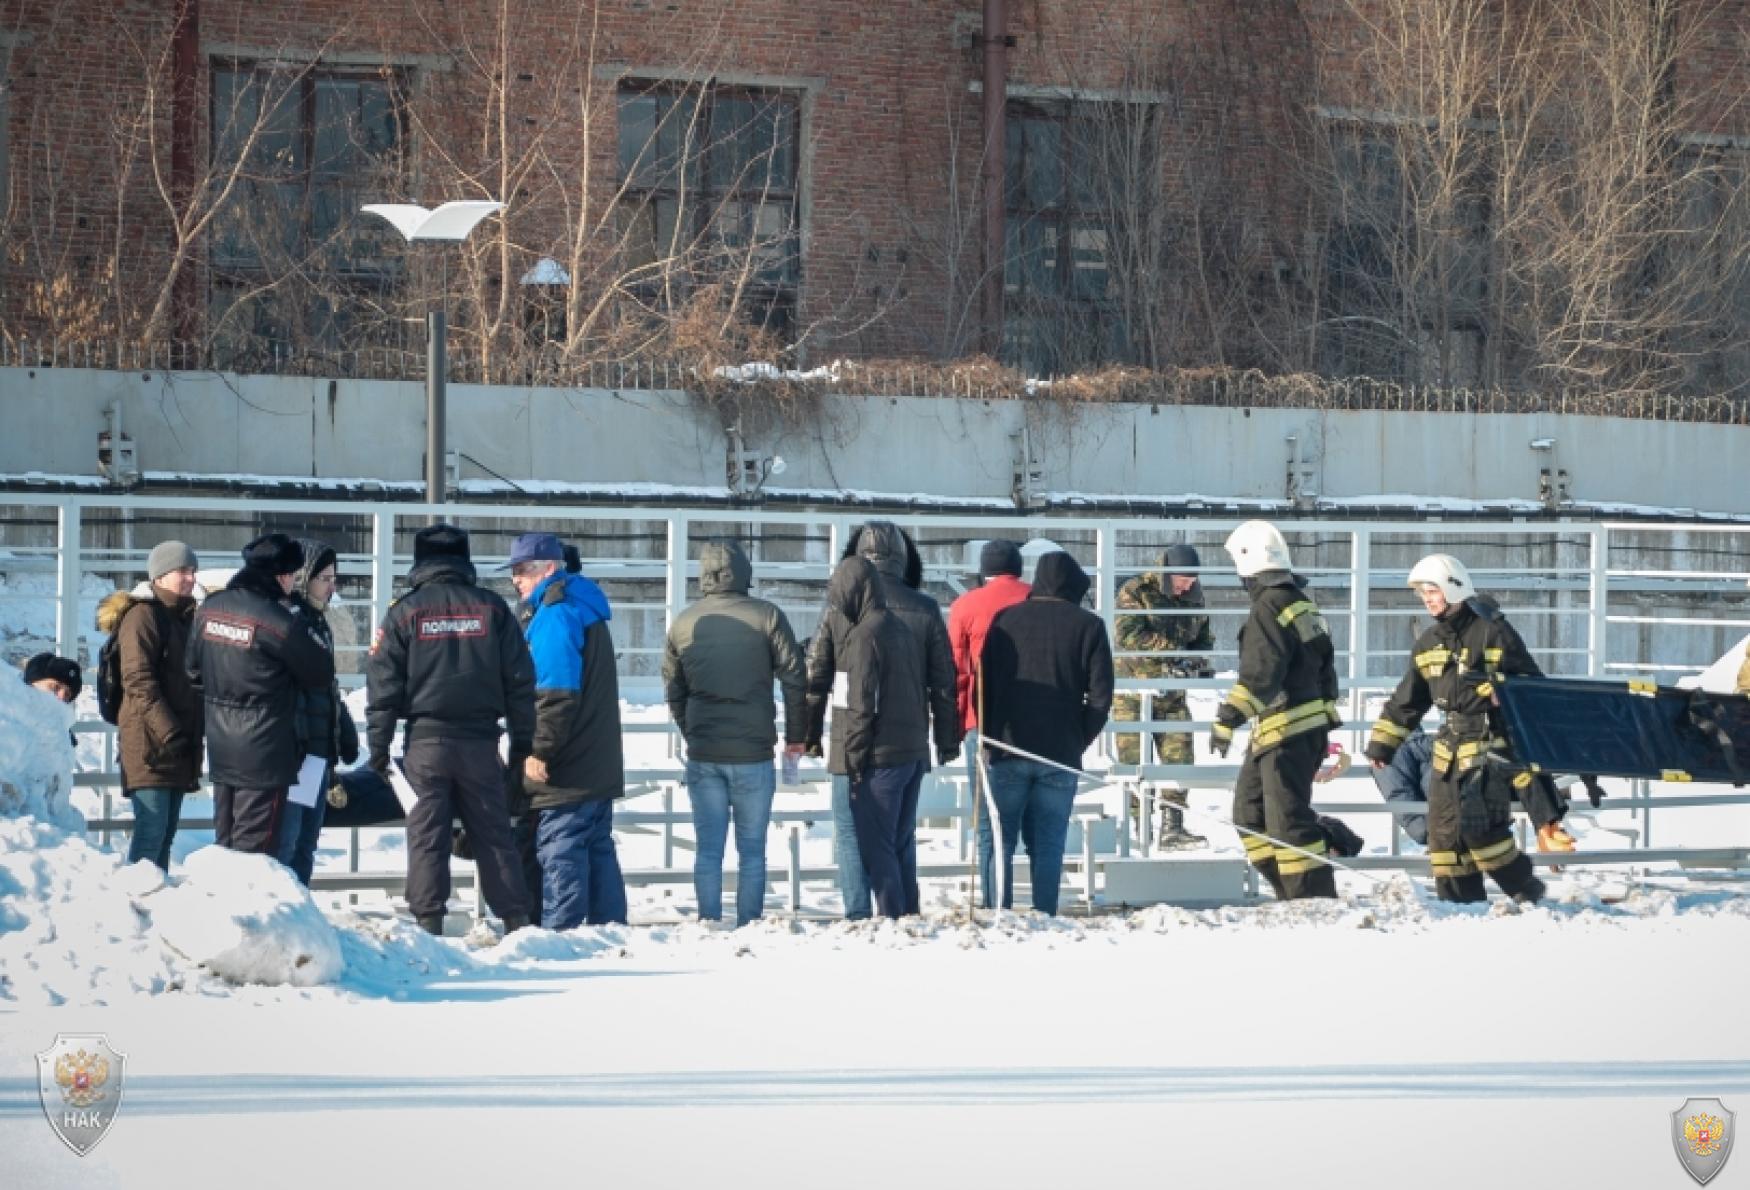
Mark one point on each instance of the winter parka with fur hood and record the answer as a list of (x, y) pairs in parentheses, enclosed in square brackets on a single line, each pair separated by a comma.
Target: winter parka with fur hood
[(162, 723)]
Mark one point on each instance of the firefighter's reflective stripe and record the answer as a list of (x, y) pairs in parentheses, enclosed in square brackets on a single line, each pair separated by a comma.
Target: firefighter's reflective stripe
[(1641, 686), (1486, 689), (1291, 863), (1451, 863), (1388, 733), (1242, 701), (1492, 656), (1674, 775), (1495, 855), (1308, 716), (1468, 754), (1305, 618), (1432, 662), (1259, 849)]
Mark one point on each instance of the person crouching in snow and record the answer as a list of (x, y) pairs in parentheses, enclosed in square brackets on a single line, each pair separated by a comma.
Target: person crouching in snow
[(886, 737), (1456, 665), (576, 769), (1288, 683)]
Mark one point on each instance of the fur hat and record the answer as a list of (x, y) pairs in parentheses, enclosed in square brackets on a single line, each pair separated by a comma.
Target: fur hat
[(440, 541), (275, 554)]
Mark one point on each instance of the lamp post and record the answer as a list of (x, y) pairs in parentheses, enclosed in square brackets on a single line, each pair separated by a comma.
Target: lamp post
[(450, 223)]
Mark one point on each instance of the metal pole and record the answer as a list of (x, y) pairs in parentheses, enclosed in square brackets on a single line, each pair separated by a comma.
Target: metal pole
[(436, 365), (67, 581)]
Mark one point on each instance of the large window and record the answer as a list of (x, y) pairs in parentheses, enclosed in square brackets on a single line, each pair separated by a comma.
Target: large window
[(1406, 257), (1070, 169), (293, 263), (709, 197)]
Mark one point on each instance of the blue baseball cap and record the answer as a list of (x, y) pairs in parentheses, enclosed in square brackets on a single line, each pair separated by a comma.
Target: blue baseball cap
[(536, 547)]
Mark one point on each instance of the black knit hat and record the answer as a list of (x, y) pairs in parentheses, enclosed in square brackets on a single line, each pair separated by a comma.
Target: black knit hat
[(440, 541), (62, 669), (1180, 559), (275, 554), (999, 557)]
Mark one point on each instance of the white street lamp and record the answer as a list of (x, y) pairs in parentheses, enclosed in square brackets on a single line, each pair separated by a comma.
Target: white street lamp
[(449, 223)]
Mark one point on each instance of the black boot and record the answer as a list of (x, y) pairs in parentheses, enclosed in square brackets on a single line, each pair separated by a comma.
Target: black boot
[(431, 923), (1174, 836), (513, 924), (1531, 892)]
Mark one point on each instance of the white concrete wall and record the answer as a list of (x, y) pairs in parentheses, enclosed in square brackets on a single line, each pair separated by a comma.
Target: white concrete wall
[(219, 424)]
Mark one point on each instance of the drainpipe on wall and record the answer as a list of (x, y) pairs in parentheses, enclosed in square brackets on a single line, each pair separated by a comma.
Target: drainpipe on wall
[(184, 111), (996, 75)]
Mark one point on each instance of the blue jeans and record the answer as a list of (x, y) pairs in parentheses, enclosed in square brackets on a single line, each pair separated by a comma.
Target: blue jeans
[(300, 828), (156, 813), (984, 845), (718, 793), (580, 870), (1033, 803), (853, 881)]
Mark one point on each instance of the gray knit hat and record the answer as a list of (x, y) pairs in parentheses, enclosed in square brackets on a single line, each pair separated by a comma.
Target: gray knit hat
[(167, 556)]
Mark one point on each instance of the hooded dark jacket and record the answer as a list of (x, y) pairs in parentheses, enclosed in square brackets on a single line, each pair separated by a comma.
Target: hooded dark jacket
[(325, 726), (249, 656), (898, 568), (723, 654), (450, 659), (1048, 668), (162, 723), (577, 695), (881, 720)]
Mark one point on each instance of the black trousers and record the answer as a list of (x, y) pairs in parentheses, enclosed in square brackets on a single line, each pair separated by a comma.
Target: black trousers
[(1470, 831), (460, 779), (1274, 795), (248, 819), (885, 806), (523, 831)]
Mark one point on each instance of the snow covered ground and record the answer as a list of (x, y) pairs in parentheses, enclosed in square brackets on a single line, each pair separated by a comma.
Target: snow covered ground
[(1381, 1040)]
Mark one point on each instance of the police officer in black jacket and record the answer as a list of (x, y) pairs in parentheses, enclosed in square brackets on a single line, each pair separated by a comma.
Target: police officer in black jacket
[(249, 656), (450, 660)]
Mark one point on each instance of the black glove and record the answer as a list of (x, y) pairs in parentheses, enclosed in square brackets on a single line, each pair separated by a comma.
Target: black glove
[(379, 764), (349, 742), (1220, 740), (461, 846), (947, 753), (1594, 791), (813, 751), (178, 748)]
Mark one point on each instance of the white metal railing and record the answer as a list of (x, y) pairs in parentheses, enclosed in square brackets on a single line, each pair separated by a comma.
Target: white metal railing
[(1585, 594)]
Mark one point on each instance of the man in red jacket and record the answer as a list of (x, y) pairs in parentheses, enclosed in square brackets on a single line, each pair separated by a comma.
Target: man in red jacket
[(999, 569)]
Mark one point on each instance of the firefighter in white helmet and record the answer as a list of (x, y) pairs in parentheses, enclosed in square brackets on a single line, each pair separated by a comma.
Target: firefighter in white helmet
[(1288, 684), (1456, 665)]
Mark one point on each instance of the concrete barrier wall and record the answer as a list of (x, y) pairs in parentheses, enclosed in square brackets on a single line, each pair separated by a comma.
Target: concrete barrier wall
[(287, 426)]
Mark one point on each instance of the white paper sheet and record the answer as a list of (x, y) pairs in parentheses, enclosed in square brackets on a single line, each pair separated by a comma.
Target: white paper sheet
[(403, 790), (309, 784), (841, 690)]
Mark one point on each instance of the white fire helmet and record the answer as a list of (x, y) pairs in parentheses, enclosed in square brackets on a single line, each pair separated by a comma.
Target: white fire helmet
[(1255, 547), (1445, 572)]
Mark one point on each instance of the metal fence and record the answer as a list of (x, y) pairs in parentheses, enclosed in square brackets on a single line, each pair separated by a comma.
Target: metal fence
[(1596, 599)]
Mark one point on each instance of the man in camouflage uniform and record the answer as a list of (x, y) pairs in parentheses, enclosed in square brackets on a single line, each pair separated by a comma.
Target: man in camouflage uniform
[(1173, 589)]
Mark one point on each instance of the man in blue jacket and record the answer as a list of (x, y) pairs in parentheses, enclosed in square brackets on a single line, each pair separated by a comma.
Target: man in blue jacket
[(576, 767)]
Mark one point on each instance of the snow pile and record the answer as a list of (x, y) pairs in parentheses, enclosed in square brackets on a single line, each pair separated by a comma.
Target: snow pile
[(36, 756), (752, 373), (247, 919)]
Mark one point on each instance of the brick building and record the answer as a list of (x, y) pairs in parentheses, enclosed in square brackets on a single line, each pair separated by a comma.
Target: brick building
[(1188, 182)]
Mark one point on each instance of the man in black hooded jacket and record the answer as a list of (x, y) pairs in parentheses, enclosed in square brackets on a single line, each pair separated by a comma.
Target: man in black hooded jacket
[(451, 661), (886, 734), (249, 656), (899, 573), (1047, 690)]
